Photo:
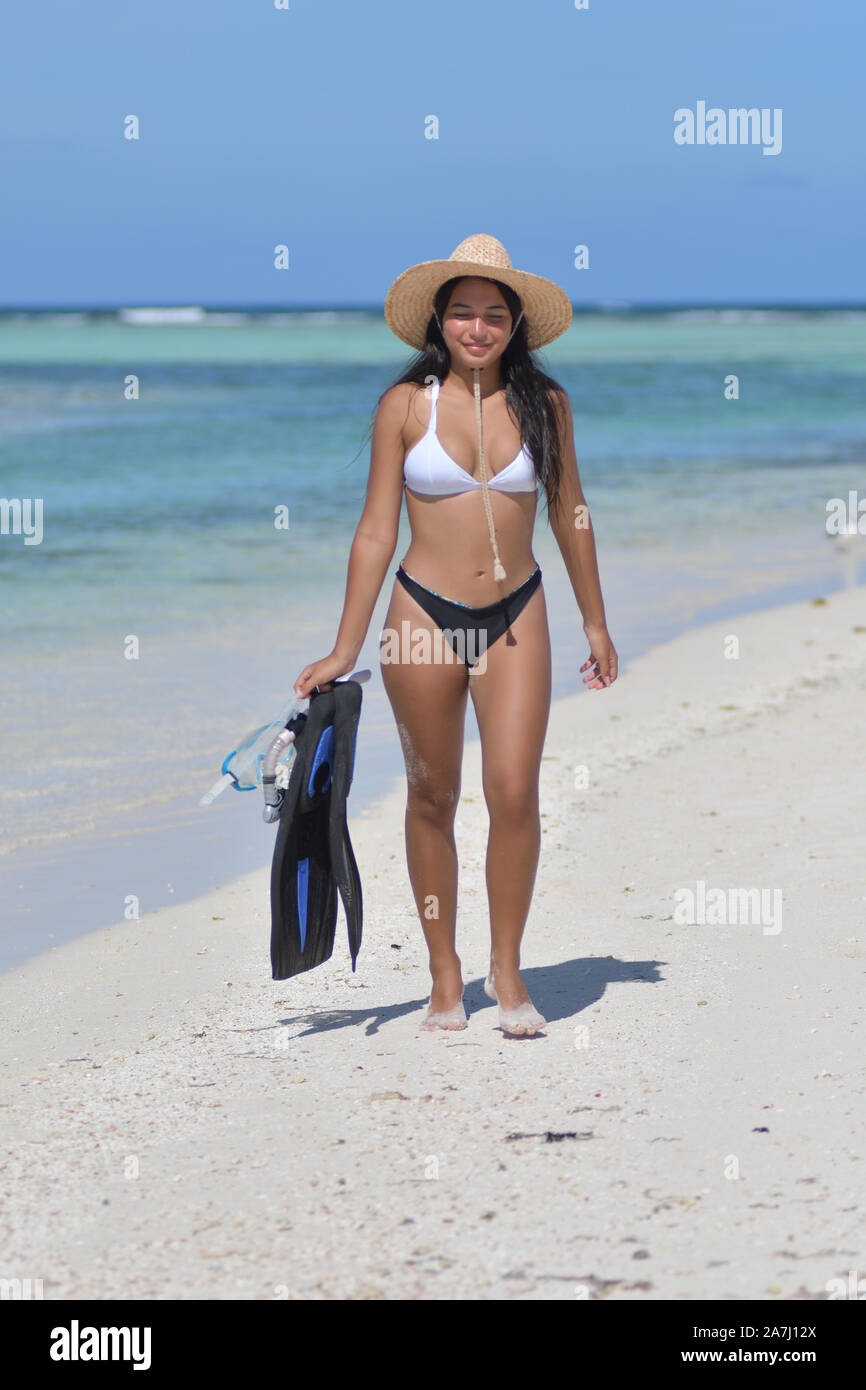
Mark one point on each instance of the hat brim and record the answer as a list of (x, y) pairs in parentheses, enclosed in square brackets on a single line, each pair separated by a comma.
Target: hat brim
[(409, 301)]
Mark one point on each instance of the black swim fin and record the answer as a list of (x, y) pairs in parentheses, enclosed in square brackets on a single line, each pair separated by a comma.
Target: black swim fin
[(313, 856)]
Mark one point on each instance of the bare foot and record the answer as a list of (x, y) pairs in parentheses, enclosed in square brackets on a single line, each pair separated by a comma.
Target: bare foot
[(449, 1019), (445, 1010), (518, 1017)]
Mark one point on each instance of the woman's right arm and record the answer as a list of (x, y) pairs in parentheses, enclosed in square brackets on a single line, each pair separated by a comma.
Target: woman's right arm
[(374, 543)]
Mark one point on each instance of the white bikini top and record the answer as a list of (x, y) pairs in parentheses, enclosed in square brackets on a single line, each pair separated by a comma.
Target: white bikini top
[(428, 469)]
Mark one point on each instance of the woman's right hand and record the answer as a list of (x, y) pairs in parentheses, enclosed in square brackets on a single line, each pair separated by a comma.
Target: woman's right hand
[(321, 672)]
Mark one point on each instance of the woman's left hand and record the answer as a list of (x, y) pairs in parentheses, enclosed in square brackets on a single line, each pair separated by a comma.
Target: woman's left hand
[(602, 660)]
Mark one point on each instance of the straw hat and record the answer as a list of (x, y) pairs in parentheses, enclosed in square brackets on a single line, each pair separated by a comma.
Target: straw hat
[(409, 301)]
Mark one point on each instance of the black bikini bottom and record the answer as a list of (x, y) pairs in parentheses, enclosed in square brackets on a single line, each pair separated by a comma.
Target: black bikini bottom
[(470, 631)]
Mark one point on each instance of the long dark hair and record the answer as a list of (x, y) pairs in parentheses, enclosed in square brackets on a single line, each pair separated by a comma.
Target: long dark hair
[(526, 386)]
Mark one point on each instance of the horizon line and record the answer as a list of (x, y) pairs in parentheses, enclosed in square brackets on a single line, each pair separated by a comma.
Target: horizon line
[(373, 307)]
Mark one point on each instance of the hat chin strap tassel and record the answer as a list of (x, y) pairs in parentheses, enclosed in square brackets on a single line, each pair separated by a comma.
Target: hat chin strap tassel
[(498, 567)]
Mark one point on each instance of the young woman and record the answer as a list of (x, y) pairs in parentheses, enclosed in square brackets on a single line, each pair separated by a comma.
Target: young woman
[(469, 430)]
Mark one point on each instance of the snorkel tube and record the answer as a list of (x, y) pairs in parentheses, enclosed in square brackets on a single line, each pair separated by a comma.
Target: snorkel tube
[(275, 792), (243, 767), (275, 780)]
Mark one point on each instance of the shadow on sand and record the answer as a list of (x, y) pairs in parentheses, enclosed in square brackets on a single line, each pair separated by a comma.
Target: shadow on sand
[(558, 992)]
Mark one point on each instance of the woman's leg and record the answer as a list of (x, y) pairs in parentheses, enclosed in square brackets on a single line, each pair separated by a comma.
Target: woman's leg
[(512, 704), (429, 704)]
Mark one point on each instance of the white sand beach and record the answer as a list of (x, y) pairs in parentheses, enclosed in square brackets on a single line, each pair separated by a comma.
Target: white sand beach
[(690, 1125)]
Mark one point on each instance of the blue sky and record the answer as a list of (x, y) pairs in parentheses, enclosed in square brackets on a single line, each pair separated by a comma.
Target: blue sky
[(305, 126)]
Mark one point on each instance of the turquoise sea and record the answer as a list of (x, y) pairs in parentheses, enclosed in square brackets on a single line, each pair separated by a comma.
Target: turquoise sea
[(162, 506), (160, 452)]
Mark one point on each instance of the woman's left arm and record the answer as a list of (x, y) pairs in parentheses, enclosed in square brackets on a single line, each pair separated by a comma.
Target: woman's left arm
[(572, 527)]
